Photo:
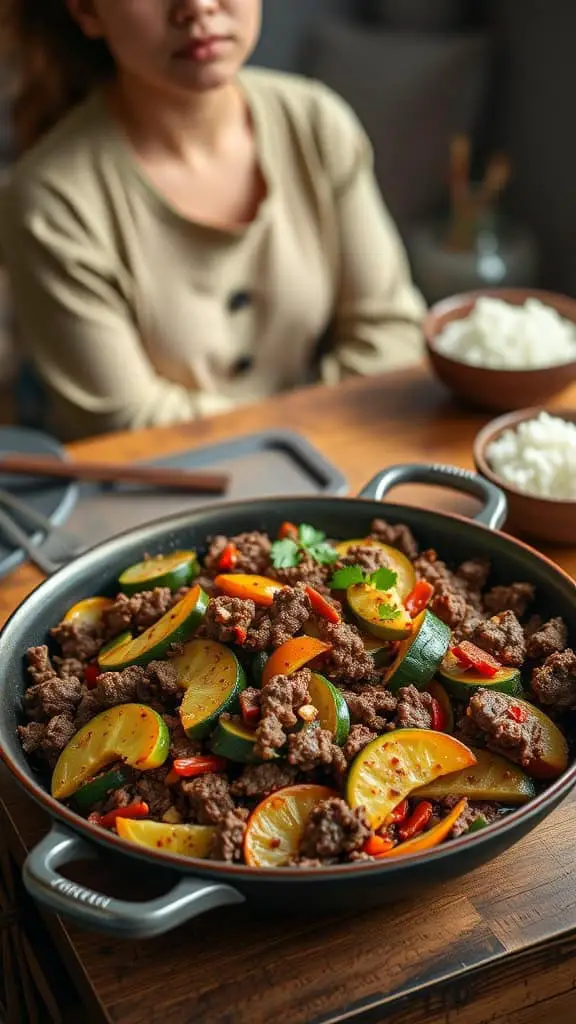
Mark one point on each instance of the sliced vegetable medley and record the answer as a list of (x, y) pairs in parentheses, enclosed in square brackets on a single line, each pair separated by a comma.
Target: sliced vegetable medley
[(301, 701)]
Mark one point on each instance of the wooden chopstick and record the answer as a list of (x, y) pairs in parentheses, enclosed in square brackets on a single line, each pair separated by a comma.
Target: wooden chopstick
[(105, 472)]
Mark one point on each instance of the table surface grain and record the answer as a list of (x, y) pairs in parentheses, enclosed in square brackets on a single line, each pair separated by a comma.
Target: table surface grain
[(495, 946)]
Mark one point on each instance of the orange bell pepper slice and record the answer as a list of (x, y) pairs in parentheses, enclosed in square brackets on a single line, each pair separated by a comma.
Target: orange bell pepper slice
[(293, 655), (259, 589), (433, 837)]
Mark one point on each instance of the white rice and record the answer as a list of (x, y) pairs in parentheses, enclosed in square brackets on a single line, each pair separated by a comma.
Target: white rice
[(500, 336), (538, 457)]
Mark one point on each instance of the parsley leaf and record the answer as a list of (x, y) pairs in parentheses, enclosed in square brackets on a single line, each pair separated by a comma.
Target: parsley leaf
[(285, 554), (323, 553), (309, 537), (388, 612), (384, 579), (345, 578)]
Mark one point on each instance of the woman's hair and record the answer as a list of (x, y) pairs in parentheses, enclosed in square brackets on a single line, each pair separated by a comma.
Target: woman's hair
[(55, 65)]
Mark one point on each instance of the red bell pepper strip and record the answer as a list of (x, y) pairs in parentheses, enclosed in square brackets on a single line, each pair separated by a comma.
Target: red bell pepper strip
[(240, 635), (135, 810), (417, 821), (474, 657), (399, 814), (419, 598), (250, 706), (288, 530), (377, 845), (91, 673), (190, 767), (321, 605), (229, 557), (438, 716), (517, 713)]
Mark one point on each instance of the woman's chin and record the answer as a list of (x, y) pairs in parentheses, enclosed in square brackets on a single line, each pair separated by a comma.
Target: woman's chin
[(205, 77)]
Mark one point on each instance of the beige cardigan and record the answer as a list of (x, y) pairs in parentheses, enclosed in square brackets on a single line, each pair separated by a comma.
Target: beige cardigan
[(134, 316)]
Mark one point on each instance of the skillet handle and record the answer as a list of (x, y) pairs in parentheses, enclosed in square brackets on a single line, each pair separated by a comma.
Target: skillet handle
[(495, 507), (188, 898)]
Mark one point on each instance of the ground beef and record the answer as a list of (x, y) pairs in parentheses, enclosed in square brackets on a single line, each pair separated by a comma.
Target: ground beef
[(67, 668), (283, 695), (253, 553), (138, 612), (503, 637), (78, 640), (550, 638), (474, 573), (208, 797), (455, 596), (474, 809), (450, 606), (371, 707), (225, 615), (90, 705), (118, 687), (333, 830), (160, 684), (228, 842), (398, 536), (53, 697), (466, 628), (348, 658), (47, 740), (307, 571), (518, 741), (40, 667), (358, 738), (275, 625), (554, 682), (312, 747), (180, 744), (151, 788), (259, 780), (270, 737), (514, 598), (414, 708), (368, 556)]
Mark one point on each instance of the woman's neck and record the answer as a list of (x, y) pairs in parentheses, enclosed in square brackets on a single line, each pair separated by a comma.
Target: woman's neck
[(178, 124)]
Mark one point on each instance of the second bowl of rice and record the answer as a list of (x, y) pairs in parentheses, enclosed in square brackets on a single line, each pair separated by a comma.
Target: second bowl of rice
[(503, 349)]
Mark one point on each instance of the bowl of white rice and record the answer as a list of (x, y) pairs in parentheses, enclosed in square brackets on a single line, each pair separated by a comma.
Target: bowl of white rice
[(503, 349), (531, 455)]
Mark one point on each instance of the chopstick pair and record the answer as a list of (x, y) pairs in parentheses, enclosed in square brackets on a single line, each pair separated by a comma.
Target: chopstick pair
[(193, 481)]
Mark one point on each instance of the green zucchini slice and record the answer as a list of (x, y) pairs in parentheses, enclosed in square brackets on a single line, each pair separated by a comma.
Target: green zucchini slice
[(175, 570), (234, 741), (213, 679), (176, 626), (420, 655), (369, 606), (333, 713)]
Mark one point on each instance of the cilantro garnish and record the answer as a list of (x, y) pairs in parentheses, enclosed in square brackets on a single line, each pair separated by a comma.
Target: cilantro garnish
[(383, 579), (287, 553), (388, 612)]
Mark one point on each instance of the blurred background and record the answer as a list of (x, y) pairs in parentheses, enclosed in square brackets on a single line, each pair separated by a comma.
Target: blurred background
[(466, 103)]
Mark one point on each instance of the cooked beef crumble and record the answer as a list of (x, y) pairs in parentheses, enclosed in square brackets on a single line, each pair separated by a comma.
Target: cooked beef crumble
[(519, 741), (292, 744)]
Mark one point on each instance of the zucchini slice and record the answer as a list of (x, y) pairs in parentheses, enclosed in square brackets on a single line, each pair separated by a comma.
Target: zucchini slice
[(88, 612), (97, 789), (234, 741), (257, 667), (462, 683), (275, 829), (333, 713), (397, 561), (368, 605), (182, 840), (392, 766), (133, 733), (491, 778), (175, 570), (213, 679), (175, 626), (420, 655)]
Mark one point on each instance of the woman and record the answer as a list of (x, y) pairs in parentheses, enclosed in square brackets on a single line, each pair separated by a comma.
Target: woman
[(183, 236)]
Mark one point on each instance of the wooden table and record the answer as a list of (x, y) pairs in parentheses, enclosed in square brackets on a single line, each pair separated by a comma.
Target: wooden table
[(496, 946)]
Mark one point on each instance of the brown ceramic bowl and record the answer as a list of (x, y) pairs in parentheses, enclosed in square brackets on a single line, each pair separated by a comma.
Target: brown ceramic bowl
[(540, 518), (497, 390)]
